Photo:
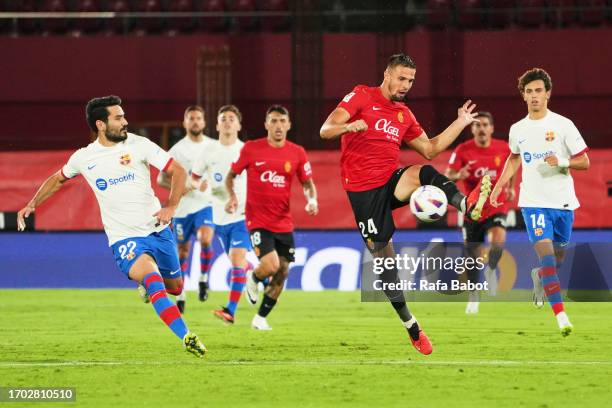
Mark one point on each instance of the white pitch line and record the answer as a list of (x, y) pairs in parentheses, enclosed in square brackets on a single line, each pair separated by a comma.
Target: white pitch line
[(18, 364)]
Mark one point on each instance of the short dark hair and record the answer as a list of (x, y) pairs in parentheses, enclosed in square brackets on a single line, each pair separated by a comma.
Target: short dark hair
[(401, 59), (231, 108), (485, 114), (194, 108), (533, 75), (278, 109), (97, 109)]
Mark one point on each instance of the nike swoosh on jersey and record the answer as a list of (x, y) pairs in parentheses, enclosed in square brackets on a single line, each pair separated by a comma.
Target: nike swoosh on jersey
[(521, 141), (260, 163), (236, 242), (174, 272), (91, 167), (376, 108)]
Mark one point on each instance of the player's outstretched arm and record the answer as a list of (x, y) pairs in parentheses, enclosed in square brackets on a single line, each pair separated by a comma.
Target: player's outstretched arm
[(46, 190), (430, 148), (513, 162), (177, 185), (336, 125), (310, 192)]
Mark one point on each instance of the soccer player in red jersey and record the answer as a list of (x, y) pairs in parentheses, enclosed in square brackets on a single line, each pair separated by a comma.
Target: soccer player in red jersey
[(469, 162), (373, 122), (271, 163)]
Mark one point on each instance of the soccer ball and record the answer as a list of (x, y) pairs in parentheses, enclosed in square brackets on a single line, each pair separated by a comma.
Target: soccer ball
[(428, 203)]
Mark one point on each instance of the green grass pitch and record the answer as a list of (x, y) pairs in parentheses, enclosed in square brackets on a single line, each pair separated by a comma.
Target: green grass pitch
[(326, 349)]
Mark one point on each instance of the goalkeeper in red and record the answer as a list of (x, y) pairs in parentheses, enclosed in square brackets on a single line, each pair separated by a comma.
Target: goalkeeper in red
[(373, 122)]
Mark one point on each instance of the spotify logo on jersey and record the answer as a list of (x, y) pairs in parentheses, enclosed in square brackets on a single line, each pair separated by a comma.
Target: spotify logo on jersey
[(527, 157), (101, 184)]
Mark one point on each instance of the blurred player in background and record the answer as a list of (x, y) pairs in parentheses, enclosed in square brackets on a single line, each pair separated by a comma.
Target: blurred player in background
[(230, 228), (470, 161), (373, 122), (116, 167), (193, 217), (271, 163), (547, 145)]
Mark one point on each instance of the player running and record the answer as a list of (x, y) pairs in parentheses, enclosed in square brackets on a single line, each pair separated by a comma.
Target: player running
[(193, 217), (230, 228), (271, 163), (469, 162), (373, 122), (116, 167), (547, 145)]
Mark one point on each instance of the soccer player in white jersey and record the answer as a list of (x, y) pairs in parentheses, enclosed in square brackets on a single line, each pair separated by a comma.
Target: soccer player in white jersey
[(116, 167), (193, 217), (547, 145), (230, 227)]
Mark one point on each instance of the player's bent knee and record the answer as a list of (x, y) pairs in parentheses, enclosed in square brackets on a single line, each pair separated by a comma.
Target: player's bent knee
[(174, 286)]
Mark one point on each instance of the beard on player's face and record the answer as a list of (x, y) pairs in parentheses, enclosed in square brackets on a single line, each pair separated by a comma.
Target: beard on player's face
[(195, 131), (116, 136)]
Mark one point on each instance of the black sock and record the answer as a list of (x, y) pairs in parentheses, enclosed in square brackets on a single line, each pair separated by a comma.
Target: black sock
[(402, 311), (414, 330), (495, 253), (430, 176), (266, 306)]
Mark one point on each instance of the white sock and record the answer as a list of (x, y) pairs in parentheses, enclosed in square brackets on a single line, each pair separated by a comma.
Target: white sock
[(410, 322)]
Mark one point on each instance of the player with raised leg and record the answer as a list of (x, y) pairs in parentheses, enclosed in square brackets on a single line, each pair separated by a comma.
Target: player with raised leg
[(373, 122), (470, 161), (271, 163), (230, 228), (116, 167), (547, 145), (193, 217)]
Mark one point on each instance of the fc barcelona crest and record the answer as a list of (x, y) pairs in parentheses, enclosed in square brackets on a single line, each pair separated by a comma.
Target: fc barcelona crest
[(287, 167), (125, 159), (400, 117), (550, 136)]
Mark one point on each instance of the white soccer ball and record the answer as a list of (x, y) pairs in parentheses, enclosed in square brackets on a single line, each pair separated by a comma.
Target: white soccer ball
[(428, 203)]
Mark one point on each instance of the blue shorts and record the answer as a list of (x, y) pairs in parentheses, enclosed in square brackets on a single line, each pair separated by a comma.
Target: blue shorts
[(234, 235), (160, 245), (186, 227), (548, 223)]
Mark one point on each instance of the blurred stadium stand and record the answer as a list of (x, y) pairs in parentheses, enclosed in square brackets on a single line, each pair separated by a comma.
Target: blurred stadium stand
[(154, 17)]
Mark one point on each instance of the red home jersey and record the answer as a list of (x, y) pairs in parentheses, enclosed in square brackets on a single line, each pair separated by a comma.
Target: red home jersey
[(270, 171), (370, 157), (482, 160)]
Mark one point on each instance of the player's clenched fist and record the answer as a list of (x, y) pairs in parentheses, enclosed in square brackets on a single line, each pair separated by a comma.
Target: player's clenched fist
[(356, 126), (231, 205), (164, 216)]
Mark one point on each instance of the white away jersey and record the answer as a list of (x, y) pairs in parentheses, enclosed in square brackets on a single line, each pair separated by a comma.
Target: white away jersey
[(217, 161), (544, 186), (185, 151), (120, 178)]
